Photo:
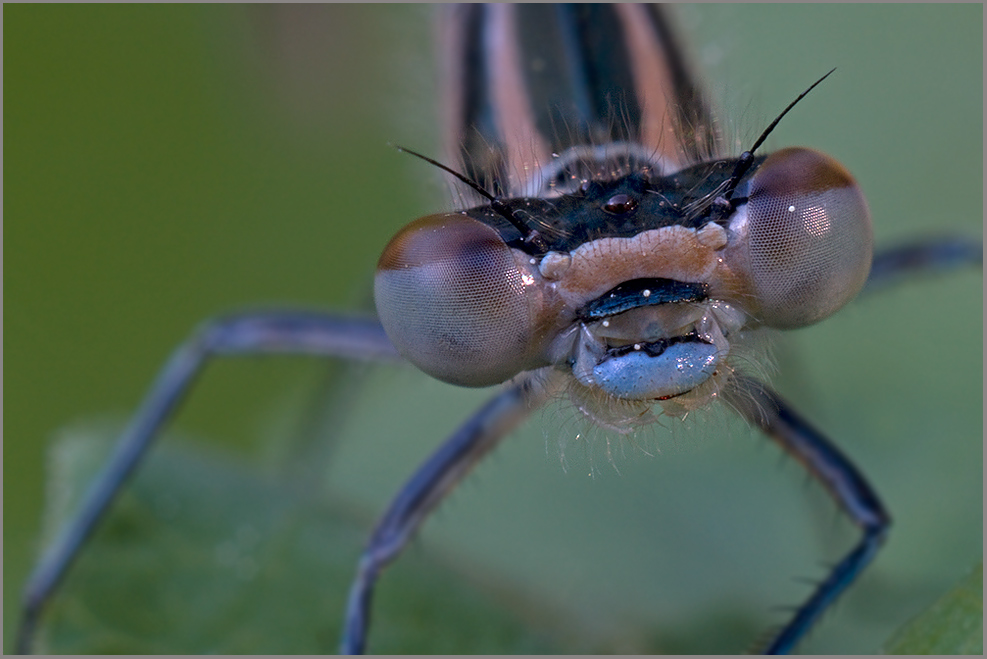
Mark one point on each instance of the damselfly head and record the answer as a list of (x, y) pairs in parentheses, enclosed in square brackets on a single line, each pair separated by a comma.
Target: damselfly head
[(627, 289)]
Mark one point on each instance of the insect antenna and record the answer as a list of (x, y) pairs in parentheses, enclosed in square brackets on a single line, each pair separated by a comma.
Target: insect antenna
[(499, 207), (747, 157)]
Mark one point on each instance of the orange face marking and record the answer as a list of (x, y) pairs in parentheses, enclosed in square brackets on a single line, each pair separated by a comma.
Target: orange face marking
[(674, 252)]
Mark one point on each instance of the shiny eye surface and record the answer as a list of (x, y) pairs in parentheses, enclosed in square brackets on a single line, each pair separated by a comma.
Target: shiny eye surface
[(809, 238), (453, 301)]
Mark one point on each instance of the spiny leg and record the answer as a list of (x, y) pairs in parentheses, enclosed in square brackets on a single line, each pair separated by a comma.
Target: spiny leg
[(429, 485), (765, 409), (275, 332)]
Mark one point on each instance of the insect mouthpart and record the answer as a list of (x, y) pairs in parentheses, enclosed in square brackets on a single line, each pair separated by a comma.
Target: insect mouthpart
[(662, 339)]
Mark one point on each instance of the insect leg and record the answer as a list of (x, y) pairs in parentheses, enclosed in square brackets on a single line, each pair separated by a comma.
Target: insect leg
[(921, 256), (765, 409), (426, 488), (275, 332)]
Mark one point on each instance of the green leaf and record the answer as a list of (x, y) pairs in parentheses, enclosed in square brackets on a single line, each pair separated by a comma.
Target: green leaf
[(202, 554), (953, 625)]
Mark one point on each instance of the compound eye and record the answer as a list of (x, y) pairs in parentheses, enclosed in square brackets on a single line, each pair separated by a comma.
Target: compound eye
[(809, 238), (453, 301)]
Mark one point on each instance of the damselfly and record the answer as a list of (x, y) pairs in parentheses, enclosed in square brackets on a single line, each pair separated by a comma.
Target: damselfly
[(628, 158)]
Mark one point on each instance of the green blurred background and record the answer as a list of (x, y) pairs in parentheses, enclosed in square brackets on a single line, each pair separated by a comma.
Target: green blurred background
[(166, 163)]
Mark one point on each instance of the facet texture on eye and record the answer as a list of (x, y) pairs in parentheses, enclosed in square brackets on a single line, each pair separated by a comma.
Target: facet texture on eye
[(453, 301), (809, 238)]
